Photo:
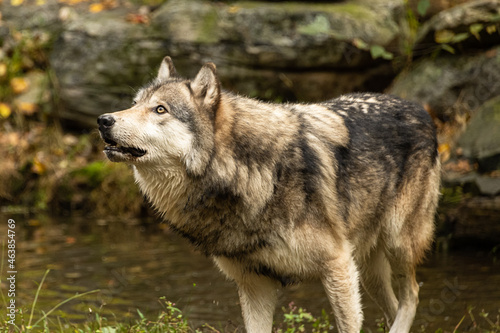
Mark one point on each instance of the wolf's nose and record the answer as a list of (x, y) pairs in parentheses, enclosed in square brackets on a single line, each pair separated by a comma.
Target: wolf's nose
[(105, 120)]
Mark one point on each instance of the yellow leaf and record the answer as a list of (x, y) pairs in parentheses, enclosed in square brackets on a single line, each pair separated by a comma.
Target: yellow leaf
[(443, 36), (491, 29), (16, 3), (233, 9), (96, 7), (27, 108), (18, 84), (38, 167), (5, 110), (443, 147), (3, 69)]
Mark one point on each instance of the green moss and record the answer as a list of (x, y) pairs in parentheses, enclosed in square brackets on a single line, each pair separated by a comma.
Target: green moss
[(357, 11), (320, 25), (208, 29), (94, 173)]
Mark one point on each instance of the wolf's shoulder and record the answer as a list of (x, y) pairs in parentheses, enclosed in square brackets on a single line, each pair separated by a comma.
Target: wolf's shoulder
[(376, 107), (384, 102)]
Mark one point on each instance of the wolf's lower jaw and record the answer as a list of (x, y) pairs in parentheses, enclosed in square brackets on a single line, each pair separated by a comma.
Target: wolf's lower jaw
[(117, 153)]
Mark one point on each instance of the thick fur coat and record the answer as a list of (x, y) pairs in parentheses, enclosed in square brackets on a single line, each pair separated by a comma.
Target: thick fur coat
[(344, 191)]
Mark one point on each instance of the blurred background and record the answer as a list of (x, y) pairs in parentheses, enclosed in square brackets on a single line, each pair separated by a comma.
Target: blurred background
[(64, 62)]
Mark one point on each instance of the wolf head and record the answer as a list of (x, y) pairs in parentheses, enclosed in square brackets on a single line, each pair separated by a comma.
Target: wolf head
[(170, 123)]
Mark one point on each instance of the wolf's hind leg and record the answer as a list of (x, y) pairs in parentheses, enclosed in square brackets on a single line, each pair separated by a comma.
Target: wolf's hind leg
[(258, 295), (341, 283), (376, 280), (408, 301)]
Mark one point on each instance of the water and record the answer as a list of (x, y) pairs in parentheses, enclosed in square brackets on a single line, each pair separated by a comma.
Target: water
[(134, 262)]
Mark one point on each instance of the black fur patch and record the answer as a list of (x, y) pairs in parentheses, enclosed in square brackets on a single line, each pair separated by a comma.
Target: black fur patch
[(285, 280), (310, 169)]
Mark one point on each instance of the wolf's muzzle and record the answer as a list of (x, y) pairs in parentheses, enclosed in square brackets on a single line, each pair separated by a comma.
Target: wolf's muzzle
[(105, 121)]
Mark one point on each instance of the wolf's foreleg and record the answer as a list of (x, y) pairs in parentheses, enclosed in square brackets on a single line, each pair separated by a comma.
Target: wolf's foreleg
[(258, 295), (341, 283)]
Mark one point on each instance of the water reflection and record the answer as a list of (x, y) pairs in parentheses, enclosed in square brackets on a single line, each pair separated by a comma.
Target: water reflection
[(134, 262)]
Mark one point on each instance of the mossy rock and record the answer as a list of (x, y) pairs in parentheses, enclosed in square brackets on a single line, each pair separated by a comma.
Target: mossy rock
[(481, 139)]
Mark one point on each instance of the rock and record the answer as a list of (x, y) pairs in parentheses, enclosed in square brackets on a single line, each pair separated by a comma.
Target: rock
[(33, 17), (458, 20), (99, 60), (451, 84), (481, 140), (275, 51), (488, 185), (279, 35)]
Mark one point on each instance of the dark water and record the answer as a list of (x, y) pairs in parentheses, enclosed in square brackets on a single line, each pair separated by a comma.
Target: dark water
[(135, 262)]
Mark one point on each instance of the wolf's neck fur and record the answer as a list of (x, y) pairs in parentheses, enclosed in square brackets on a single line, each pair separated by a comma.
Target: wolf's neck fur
[(166, 188)]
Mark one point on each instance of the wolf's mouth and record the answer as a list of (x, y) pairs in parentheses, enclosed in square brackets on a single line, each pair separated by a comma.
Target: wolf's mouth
[(113, 147)]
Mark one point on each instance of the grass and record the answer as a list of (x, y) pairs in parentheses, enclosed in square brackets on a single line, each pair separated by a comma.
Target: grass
[(172, 320)]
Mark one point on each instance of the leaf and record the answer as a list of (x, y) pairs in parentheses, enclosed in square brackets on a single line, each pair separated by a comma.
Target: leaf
[(423, 6), (96, 7), (460, 37), (5, 110), (448, 48), (443, 36), (475, 29), (378, 51), (491, 29), (16, 3), (3, 69), (360, 44), (320, 25), (27, 108), (18, 84)]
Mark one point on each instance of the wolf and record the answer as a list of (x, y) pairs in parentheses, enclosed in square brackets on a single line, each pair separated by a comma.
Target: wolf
[(343, 191)]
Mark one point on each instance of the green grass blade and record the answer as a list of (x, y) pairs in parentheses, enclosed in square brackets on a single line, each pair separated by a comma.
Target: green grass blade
[(36, 298), (45, 315)]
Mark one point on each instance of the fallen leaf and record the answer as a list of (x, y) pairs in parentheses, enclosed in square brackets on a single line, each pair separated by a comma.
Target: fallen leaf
[(3, 69), (16, 3), (443, 36), (26, 108), (443, 147), (138, 18), (33, 223), (38, 167), (5, 110), (96, 7), (233, 9), (19, 84), (70, 240)]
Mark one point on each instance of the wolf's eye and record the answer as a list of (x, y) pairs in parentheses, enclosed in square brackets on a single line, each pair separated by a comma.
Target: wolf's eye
[(134, 103), (160, 109)]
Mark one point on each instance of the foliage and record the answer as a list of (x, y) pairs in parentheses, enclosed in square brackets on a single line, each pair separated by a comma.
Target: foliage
[(299, 320)]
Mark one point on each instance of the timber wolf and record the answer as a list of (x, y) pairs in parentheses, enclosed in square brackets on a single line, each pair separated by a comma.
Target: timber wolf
[(343, 191)]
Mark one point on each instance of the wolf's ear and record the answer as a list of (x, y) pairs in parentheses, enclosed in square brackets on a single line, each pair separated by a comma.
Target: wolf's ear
[(206, 86), (166, 70)]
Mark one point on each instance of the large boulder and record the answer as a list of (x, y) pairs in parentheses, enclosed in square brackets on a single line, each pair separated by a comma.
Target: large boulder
[(278, 35), (99, 60), (481, 139), (275, 51), (451, 83)]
